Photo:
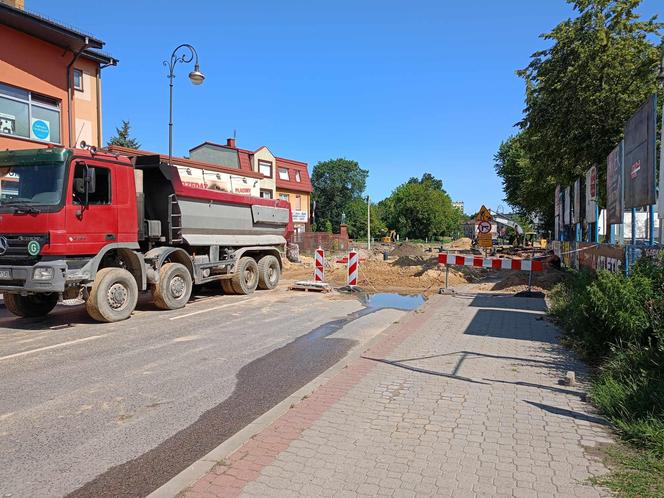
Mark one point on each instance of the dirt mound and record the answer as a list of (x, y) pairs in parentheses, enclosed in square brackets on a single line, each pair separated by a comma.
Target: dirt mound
[(518, 281), (408, 249), (463, 243)]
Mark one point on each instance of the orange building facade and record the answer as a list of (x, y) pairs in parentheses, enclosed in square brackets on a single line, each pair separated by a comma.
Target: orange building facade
[(50, 82)]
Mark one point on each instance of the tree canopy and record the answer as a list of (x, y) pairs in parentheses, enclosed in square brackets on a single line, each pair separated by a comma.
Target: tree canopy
[(122, 138), (421, 209), (336, 183), (600, 68), (356, 219)]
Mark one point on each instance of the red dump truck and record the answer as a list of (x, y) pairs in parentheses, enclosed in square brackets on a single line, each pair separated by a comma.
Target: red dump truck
[(78, 223)]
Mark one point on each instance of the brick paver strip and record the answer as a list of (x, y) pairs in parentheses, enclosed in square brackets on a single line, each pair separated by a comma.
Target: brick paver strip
[(460, 398)]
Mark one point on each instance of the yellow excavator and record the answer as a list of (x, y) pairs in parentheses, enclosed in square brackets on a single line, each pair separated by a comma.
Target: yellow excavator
[(390, 237)]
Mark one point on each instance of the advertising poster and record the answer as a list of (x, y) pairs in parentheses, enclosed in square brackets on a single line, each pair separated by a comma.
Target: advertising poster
[(614, 177), (591, 195), (639, 167), (40, 129)]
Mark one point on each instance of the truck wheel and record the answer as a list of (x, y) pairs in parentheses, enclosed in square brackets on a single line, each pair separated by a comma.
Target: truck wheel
[(245, 279), (269, 272), (113, 295), (174, 287), (227, 286), (30, 306)]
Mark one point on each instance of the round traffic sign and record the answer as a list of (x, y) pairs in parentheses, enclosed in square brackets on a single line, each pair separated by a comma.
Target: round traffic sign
[(484, 227)]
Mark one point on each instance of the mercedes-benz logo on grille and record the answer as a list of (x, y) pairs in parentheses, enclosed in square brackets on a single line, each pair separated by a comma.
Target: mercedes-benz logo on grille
[(4, 244)]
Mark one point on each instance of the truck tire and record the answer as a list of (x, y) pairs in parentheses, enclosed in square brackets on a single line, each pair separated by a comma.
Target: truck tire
[(227, 286), (30, 306), (245, 279), (269, 272), (173, 290), (113, 296)]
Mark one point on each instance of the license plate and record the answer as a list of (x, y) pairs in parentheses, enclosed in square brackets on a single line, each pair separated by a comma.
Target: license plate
[(5, 274)]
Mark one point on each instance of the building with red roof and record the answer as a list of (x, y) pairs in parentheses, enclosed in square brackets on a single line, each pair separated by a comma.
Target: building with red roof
[(284, 178)]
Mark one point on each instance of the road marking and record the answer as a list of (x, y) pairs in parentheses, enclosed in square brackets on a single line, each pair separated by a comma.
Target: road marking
[(209, 309), (46, 348)]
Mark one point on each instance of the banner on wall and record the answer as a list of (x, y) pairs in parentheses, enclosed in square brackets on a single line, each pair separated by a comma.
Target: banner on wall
[(614, 180), (576, 212), (567, 207), (591, 195), (639, 152), (660, 204), (556, 203)]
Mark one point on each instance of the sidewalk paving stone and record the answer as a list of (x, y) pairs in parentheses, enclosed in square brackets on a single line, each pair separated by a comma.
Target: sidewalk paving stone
[(459, 399)]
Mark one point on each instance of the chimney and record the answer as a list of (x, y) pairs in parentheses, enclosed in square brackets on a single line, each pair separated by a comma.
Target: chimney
[(17, 4), (230, 142)]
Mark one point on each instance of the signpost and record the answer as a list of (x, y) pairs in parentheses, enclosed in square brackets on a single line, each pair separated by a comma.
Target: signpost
[(484, 226)]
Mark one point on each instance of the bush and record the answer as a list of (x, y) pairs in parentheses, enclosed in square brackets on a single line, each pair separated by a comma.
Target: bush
[(617, 323)]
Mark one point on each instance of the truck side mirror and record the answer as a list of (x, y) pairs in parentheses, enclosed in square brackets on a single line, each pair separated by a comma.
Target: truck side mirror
[(90, 180)]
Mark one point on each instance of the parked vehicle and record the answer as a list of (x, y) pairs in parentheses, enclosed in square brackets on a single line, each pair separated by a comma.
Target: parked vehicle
[(104, 227)]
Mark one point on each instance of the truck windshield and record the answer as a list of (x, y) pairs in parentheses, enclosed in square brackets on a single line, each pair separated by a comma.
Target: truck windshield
[(31, 185)]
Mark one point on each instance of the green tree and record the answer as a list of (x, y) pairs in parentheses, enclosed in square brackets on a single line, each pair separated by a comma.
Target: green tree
[(356, 218), (420, 209), (600, 68), (122, 137), (336, 183)]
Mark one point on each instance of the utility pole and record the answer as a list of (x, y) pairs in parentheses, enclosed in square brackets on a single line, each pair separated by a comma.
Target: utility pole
[(368, 223)]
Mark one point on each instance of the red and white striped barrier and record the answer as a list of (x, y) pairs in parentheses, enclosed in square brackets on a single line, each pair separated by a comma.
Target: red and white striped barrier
[(319, 267), (353, 267), (495, 263)]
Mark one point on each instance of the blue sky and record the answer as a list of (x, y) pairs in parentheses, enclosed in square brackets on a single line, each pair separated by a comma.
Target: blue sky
[(401, 87)]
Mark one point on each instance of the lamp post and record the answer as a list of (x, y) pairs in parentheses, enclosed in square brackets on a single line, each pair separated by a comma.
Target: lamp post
[(187, 54)]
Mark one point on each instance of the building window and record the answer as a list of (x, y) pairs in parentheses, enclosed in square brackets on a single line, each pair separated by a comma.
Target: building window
[(283, 174), (298, 203), (284, 197), (266, 194), (29, 115), (78, 80), (298, 178), (265, 168)]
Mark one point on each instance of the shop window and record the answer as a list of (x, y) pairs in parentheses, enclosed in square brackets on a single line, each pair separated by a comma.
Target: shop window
[(28, 115), (283, 174), (78, 80), (265, 168)]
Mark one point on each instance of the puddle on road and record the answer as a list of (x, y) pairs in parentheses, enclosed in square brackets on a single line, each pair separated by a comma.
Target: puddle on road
[(261, 384), (404, 302)]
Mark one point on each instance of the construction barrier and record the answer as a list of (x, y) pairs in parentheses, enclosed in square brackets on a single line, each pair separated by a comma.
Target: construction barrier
[(319, 267), (494, 263), (353, 267)]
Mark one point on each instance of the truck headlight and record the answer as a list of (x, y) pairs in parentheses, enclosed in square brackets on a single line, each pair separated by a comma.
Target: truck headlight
[(42, 273)]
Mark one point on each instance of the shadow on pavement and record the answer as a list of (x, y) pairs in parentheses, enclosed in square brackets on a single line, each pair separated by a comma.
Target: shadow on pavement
[(508, 301), (564, 412), (424, 370), (511, 324)]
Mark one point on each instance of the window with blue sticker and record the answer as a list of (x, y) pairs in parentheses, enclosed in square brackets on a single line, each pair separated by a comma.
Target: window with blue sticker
[(29, 115)]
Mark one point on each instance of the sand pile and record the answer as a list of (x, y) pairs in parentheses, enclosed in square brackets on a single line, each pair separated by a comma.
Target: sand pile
[(408, 249), (464, 243), (518, 281)]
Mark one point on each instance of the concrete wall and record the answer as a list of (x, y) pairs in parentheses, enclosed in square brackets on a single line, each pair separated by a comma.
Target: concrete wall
[(37, 66), (87, 116), (34, 65)]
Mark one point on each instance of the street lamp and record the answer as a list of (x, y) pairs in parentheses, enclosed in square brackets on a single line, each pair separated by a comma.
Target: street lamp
[(196, 77)]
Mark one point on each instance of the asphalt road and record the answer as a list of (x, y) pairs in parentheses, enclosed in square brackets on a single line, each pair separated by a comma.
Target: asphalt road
[(90, 409)]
